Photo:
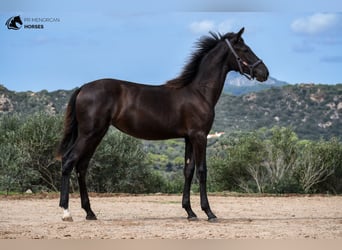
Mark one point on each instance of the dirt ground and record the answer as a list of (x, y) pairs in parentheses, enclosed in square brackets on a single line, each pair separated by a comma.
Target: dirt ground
[(161, 217)]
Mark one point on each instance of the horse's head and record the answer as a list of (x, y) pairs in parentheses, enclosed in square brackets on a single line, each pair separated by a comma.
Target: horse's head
[(244, 60)]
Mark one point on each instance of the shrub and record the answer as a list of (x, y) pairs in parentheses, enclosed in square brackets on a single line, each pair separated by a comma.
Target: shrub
[(276, 161), (119, 165)]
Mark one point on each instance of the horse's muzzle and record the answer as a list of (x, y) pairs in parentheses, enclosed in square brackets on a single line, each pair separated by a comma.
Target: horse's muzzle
[(261, 74)]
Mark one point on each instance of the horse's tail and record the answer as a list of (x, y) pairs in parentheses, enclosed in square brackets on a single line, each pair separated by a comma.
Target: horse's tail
[(70, 127)]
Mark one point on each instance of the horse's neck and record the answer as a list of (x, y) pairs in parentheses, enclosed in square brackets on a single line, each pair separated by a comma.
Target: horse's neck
[(212, 74)]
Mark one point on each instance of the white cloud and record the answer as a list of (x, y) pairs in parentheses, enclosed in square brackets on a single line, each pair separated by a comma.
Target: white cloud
[(314, 24), (205, 26), (202, 26)]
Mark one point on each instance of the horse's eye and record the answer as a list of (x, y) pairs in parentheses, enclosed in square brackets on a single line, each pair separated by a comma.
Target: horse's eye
[(242, 49)]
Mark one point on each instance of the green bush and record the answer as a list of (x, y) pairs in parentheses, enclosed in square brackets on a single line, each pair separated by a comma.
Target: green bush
[(276, 161), (120, 165), (27, 160), (319, 167), (268, 160), (229, 171), (27, 145)]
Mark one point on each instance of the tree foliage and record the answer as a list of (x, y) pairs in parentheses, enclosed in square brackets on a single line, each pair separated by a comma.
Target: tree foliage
[(15, 173), (267, 160)]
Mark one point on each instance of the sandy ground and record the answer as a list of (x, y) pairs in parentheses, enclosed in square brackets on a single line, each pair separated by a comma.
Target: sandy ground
[(161, 217)]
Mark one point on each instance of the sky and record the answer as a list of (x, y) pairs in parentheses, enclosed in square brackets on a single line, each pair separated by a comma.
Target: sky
[(150, 41)]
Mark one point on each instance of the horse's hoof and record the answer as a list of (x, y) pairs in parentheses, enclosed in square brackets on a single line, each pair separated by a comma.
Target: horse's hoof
[(67, 218), (91, 217), (213, 220), (193, 218)]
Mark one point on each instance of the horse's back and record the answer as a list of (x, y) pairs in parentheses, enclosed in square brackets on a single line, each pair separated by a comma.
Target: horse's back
[(143, 111)]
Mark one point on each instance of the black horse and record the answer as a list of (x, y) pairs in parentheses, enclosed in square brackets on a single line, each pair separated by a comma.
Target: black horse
[(180, 108)]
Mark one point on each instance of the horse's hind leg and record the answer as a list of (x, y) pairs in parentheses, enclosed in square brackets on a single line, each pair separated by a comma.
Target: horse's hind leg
[(68, 161), (81, 169), (90, 143), (80, 155)]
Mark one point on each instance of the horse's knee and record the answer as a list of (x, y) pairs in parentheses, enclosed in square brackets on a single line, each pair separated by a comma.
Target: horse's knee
[(188, 171), (202, 174)]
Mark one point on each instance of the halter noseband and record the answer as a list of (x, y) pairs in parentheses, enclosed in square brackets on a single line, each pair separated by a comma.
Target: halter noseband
[(239, 61)]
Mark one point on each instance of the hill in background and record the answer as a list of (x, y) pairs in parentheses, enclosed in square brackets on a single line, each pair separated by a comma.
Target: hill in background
[(29, 102), (314, 111), (239, 85)]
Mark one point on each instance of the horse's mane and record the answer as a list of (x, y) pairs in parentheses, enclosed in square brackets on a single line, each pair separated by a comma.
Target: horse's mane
[(204, 45)]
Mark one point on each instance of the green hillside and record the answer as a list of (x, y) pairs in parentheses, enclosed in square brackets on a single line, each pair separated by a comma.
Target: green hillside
[(313, 111), (30, 102)]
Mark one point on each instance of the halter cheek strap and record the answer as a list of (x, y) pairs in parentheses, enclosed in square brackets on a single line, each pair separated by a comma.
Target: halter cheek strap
[(239, 61)]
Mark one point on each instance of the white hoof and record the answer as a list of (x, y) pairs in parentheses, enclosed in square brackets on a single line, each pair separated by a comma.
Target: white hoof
[(67, 219), (66, 215)]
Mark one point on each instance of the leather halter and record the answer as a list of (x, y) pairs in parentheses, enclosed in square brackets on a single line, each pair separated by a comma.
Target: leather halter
[(239, 61)]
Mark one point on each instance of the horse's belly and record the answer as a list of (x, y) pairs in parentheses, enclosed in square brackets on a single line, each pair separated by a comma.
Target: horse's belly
[(149, 129)]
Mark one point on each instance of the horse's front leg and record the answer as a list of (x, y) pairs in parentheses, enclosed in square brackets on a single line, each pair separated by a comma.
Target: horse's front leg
[(189, 169), (200, 144)]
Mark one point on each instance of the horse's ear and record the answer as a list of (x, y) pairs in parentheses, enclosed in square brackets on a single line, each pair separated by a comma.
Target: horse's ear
[(239, 34)]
